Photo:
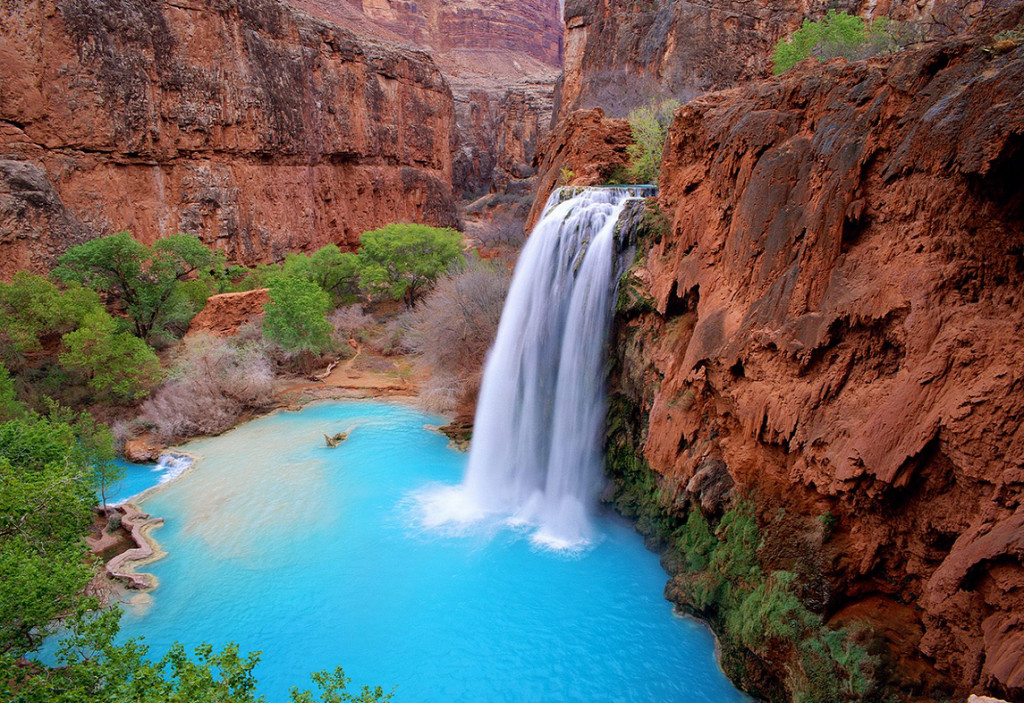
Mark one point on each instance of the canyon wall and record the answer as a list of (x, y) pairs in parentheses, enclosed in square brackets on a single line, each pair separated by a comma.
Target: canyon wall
[(622, 54), (255, 127), (834, 332), (502, 61)]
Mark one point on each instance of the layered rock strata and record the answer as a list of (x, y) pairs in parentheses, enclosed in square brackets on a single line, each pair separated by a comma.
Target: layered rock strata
[(622, 54), (253, 126), (502, 61), (836, 330)]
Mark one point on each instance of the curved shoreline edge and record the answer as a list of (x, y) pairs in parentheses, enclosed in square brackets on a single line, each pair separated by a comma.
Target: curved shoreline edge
[(147, 550)]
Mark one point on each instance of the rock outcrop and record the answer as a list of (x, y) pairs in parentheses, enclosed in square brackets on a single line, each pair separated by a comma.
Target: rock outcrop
[(836, 322), (226, 313), (622, 54), (584, 149), (256, 127)]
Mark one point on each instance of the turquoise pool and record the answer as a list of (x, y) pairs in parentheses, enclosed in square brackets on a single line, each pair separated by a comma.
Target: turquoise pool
[(319, 557)]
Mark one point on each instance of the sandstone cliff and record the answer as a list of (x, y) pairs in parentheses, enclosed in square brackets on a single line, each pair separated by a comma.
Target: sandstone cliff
[(622, 54), (501, 60), (835, 333), (251, 125)]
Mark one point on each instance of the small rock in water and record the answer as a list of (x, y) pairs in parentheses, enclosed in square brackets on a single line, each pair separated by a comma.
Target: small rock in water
[(335, 440)]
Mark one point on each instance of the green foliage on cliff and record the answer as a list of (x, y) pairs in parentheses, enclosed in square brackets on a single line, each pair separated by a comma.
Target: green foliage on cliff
[(402, 260), (649, 127), (717, 573), (839, 34), (149, 283)]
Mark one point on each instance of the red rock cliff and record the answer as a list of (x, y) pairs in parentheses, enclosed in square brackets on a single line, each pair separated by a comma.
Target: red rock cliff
[(253, 126), (622, 54), (838, 324)]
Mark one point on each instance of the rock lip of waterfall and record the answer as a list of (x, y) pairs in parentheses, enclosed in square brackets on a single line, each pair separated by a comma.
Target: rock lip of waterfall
[(536, 456)]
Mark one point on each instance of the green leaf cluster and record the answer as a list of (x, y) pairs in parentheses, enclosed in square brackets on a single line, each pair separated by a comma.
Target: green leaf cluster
[(48, 479), (649, 127), (32, 309), (334, 271), (116, 364), (146, 281), (402, 260), (838, 34), (296, 316)]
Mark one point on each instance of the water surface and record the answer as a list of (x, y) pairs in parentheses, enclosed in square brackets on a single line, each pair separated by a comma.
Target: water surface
[(318, 557)]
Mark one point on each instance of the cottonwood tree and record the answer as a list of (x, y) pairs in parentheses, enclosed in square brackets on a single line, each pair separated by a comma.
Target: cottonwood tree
[(402, 260), (296, 317), (147, 281)]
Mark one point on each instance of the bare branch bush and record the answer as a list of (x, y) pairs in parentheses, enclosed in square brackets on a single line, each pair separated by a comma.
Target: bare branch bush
[(215, 381), (452, 330)]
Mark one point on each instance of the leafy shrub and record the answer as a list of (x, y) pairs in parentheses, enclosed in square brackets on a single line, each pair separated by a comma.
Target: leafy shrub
[(649, 127), (840, 34), (452, 329), (115, 364), (402, 260), (213, 383)]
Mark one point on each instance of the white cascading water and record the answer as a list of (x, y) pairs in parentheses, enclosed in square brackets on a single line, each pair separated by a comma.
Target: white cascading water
[(536, 453)]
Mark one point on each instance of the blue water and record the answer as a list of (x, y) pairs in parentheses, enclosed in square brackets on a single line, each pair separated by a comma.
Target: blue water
[(318, 557), (139, 478)]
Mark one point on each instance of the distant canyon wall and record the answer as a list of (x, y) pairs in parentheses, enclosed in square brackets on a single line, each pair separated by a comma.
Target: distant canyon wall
[(257, 128), (502, 60), (836, 334), (621, 54)]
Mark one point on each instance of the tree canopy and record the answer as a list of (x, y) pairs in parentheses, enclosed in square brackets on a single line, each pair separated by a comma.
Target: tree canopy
[(115, 364), (146, 281), (337, 273), (402, 260), (839, 34), (296, 316), (648, 126)]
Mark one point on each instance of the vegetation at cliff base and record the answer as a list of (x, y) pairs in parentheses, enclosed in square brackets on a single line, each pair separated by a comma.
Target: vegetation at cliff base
[(717, 573), (649, 127), (155, 286), (402, 260), (840, 34)]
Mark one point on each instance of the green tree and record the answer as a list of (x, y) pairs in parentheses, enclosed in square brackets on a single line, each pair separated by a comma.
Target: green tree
[(147, 281), (10, 407), (838, 34), (402, 260), (648, 126), (296, 317), (32, 308), (336, 272), (115, 364)]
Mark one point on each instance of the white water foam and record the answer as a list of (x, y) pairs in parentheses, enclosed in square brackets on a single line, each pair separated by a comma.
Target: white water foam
[(536, 455)]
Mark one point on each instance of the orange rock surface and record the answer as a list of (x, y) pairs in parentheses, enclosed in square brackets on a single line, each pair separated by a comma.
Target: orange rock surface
[(838, 323), (256, 127), (224, 314)]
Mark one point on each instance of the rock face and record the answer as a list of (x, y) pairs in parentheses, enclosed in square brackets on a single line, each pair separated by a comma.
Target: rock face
[(622, 54), (257, 128), (584, 149), (224, 314), (501, 59), (838, 322)]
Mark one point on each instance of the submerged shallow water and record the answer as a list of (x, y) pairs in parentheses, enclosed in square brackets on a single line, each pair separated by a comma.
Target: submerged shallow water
[(319, 557)]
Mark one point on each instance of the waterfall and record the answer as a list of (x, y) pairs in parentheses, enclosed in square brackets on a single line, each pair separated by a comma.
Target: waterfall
[(536, 454)]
